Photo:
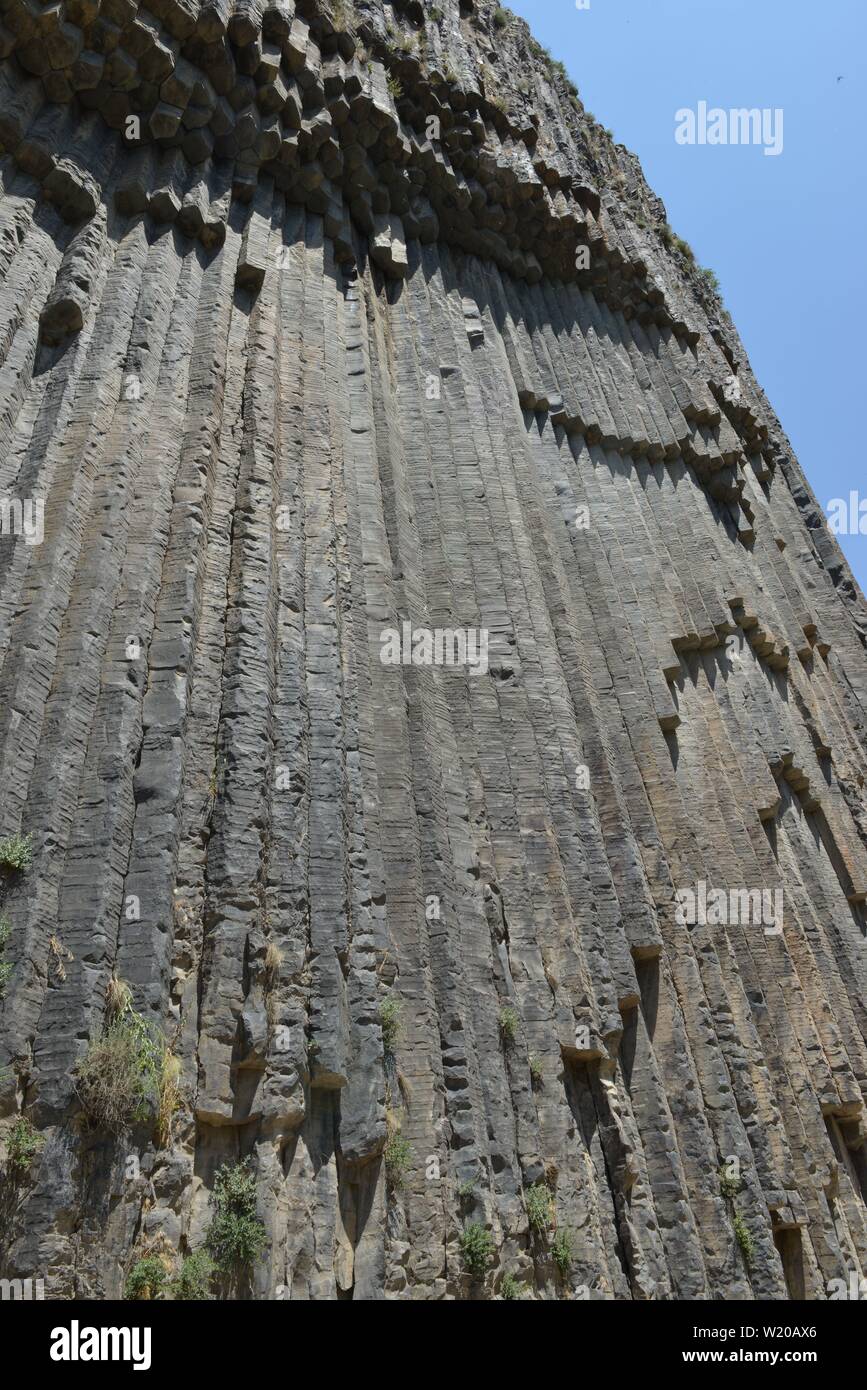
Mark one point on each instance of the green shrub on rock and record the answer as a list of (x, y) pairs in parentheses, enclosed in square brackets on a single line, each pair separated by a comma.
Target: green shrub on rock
[(236, 1236), (389, 1017), (508, 1025), (743, 1237), (146, 1279), (5, 965), (511, 1289), (477, 1247), (192, 1283), (23, 1144), (119, 1080), (561, 1251), (398, 1158), (539, 1207), (16, 853)]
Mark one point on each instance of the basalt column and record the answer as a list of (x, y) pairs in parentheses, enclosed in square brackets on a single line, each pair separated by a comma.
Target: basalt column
[(432, 708)]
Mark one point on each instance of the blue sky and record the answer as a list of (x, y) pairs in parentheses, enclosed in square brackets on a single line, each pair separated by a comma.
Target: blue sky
[(787, 236)]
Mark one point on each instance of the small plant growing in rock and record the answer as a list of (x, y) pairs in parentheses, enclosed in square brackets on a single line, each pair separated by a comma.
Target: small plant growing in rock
[(539, 1209), (236, 1237), (512, 1289), (58, 959), (343, 14), (729, 1186), (23, 1144), (466, 1192), (168, 1097), (118, 998), (389, 1018), (501, 17), (120, 1078), (743, 1237), (147, 1279), (5, 965), (192, 1283), (271, 967), (398, 1159), (508, 1025), (477, 1247), (395, 87), (710, 278), (273, 961), (16, 853), (561, 1251), (537, 1075)]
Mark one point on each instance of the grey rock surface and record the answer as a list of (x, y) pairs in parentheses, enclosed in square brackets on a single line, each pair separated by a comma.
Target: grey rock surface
[(297, 347)]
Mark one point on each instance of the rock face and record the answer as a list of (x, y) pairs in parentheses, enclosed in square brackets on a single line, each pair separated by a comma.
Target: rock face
[(429, 615)]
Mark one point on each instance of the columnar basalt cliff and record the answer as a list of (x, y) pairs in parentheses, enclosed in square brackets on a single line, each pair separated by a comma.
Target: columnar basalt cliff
[(316, 321)]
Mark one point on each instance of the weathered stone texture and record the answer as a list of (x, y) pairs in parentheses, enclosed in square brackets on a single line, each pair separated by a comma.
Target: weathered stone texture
[(294, 348)]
